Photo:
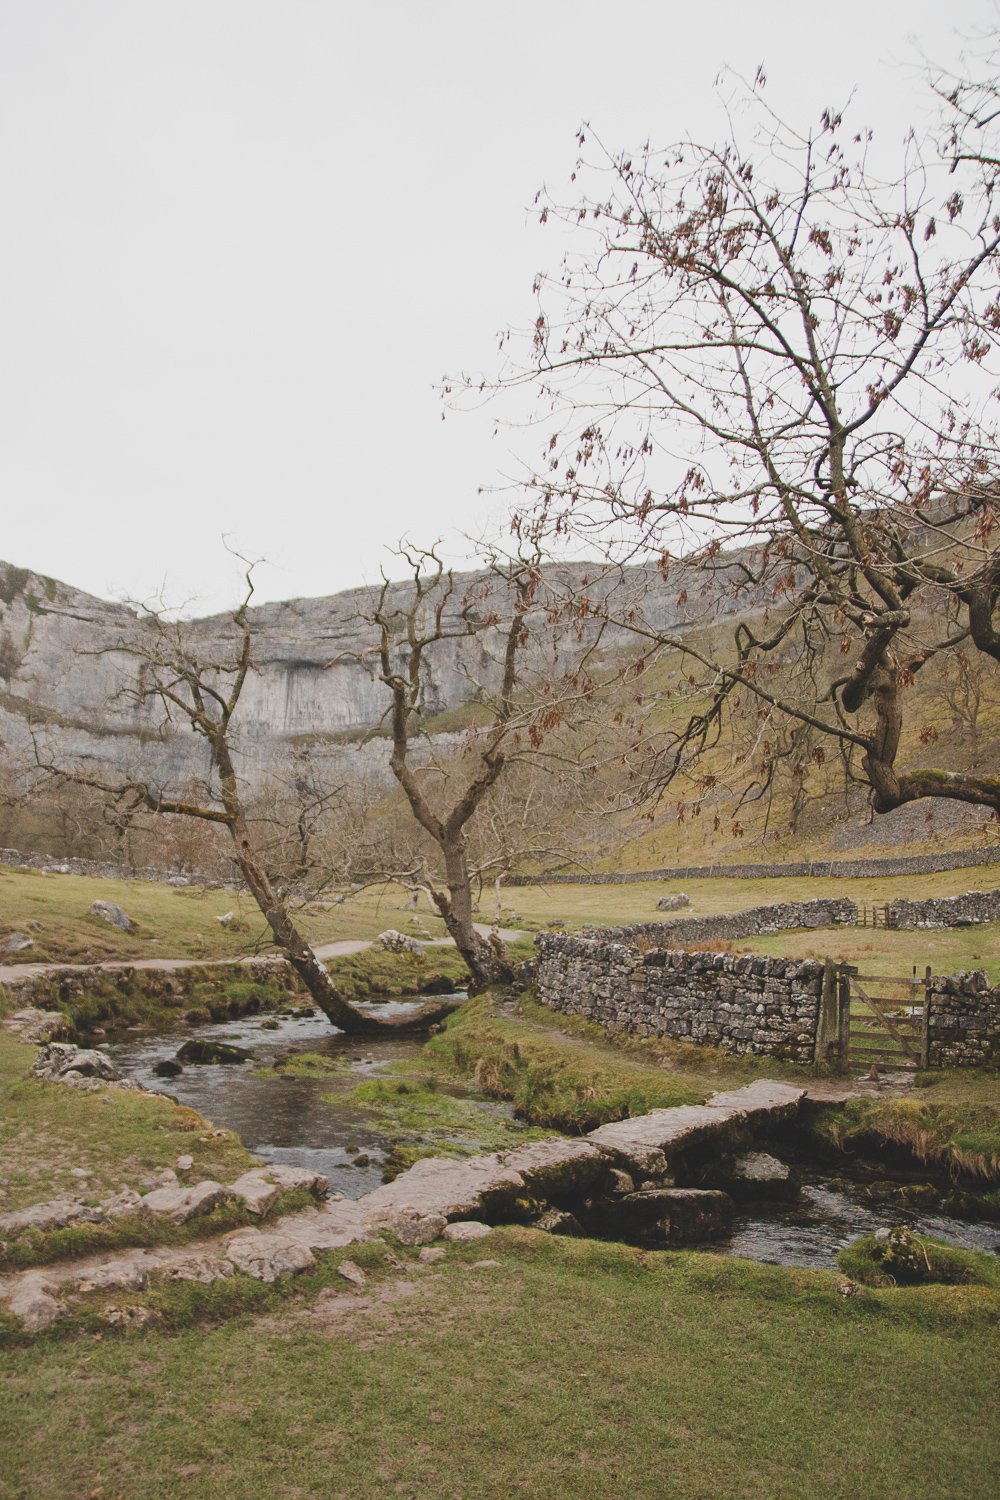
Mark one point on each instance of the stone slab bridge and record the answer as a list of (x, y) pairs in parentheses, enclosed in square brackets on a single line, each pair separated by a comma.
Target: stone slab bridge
[(621, 1175)]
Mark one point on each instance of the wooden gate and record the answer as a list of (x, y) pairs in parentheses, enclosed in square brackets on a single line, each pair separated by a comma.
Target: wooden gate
[(887, 1019)]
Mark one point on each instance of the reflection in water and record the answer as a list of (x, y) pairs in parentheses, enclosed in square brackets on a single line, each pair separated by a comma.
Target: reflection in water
[(293, 1121), (278, 1118), (810, 1233)]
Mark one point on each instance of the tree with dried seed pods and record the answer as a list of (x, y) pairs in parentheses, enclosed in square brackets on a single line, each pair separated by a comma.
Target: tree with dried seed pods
[(764, 358)]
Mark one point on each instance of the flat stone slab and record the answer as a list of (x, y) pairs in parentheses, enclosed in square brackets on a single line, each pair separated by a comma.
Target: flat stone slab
[(668, 1131), (763, 1101), (268, 1255), (482, 1186), (557, 1166)]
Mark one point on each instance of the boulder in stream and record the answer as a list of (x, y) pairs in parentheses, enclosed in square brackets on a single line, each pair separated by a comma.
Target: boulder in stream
[(754, 1177), (676, 1216), (196, 1051)]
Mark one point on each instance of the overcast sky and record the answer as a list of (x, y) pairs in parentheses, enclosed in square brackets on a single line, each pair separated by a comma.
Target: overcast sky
[(244, 239)]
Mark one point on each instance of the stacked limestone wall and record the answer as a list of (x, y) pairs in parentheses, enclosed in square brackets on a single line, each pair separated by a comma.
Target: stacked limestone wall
[(842, 869), (763, 1006), (834, 911), (740, 1003), (105, 870), (948, 911), (965, 1021)]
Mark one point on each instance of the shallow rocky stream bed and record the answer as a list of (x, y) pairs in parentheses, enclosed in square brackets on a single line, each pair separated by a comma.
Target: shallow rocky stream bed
[(294, 1121)]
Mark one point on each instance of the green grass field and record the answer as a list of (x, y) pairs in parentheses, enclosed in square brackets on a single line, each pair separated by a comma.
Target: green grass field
[(524, 1365), (181, 924)]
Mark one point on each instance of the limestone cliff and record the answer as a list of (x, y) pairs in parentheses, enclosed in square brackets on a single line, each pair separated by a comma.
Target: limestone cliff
[(61, 675)]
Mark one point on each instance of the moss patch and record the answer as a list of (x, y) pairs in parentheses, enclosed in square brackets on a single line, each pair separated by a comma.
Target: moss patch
[(907, 1259), (550, 1081)]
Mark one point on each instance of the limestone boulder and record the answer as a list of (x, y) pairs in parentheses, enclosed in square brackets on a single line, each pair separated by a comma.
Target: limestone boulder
[(112, 913), (35, 1303), (753, 1177), (352, 1273), (480, 1187), (556, 1221), (128, 1275), (266, 1257), (129, 1317), (54, 1214), (291, 1179), (677, 1216), (17, 942), (178, 1204), (408, 1225), (202, 1268), (60, 1059), (255, 1192), (392, 941), (466, 1231)]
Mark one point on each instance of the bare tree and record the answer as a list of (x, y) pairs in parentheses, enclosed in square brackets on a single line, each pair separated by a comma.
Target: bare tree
[(512, 713), (763, 357), (204, 692)]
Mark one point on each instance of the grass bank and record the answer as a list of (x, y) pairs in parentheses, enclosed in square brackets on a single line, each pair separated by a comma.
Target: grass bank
[(558, 1368), (117, 1138)]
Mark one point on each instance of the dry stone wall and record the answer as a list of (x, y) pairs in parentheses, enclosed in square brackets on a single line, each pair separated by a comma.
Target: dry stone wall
[(106, 870), (835, 911), (842, 869), (947, 911), (965, 1021), (740, 1003), (763, 1006)]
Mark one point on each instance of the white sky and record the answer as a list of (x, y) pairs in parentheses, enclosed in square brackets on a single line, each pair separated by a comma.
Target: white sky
[(243, 239)]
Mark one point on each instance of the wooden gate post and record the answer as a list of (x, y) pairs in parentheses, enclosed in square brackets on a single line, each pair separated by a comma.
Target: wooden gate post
[(827, 1047), (925, 1040), (844, 972)]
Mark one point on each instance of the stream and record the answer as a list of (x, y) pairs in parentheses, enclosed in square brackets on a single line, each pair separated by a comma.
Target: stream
[(295, 1121)]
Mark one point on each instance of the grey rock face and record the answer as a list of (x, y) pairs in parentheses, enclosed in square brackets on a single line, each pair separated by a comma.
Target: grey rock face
[(17, 942), (113, 913), (34, 1304), (398, 942), (70, 666), (267, 1257), (673, 903)]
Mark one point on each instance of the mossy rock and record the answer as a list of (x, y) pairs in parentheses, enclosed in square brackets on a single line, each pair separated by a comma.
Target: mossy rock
[(898, 1257), (212, 1052)]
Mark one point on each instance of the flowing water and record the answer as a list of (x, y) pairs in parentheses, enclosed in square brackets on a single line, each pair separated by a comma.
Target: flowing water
[(300, 1122)]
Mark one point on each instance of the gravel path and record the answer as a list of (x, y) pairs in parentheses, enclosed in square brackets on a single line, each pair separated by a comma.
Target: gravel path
[(322, 950)]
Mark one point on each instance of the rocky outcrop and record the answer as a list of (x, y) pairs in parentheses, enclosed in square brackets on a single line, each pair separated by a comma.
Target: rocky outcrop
[(59, 668)]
